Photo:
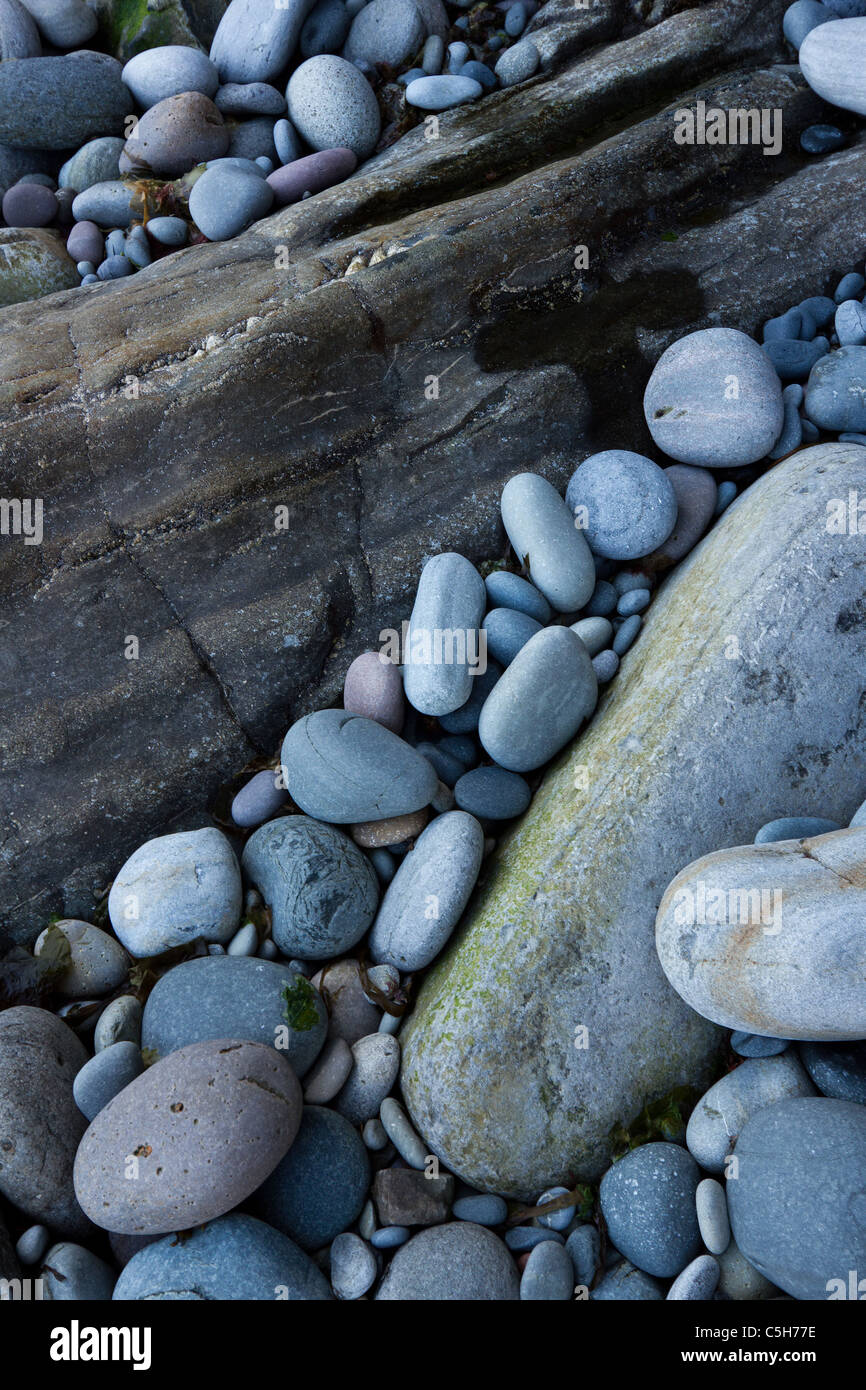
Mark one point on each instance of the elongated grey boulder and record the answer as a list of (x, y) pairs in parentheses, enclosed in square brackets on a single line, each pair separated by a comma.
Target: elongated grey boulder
[(549, 1020), (256, 38)]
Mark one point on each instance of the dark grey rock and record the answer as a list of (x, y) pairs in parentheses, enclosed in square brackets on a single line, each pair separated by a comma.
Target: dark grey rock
[(317, 1191), (105, 1075), (837, 1069), (455, 1262), (58, 103), (648, 1201), (72, 1273)]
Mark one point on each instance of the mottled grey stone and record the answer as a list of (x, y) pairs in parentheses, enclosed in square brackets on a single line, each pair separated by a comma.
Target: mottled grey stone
[(442, 642), (95, 162), (98, 962), (376, 1062), (540, 701), (317, 1191), (71, 1272), (105, 1075), (541, 529), (648, 1202), (458, 1261), (831, 60), (168, 70), (255, 38), (332, 105), (722, 1112), (58, 103)]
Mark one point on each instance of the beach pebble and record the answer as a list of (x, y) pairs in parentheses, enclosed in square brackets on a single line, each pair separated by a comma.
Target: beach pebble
[(442, 92), (249, 98), (233, 1258), (98, 963), (220, 1116), (70, 1272), (29, 205), (714, 399), (19, 37), (258, 799), (406, 1197), (850, 323), (105, 1075), (712, 1208), (507, 590), (517, 63), (245, 942), (726, 494), (59, 103), (385, 31), (31, 1246), (540, 701), (802, 17), (484, 1208), (521, 1239), (720, 1114), (739, 1280), (345, 769), (350, 1014), (62, 23), (465, 719), (389, 1237), (433, 55), (176, 134), (792, 359), (541, 529), (458, 1261), (373, 688), (635, 601), (605, 666), (448, 769), (442, 642), (696, 494), (480, 72), (796, 1204), (85, 243), (109, 204), (314, 172), (287, 142), (167, 71), (318, 1189), (625, 1283), (584, 1248), (548, 1275), (515, 19), (837, 1069), (225, 201), (831, 60), (794, 828), (332, 105), (697, 1281), (396, 830), (834, 396), (175, 888), (602, 600), (353, 1267), (507, 631), (114, 267), (648, 1201), (321, 890), (238, 997), (255, 39), (623, 503), (375, 1065), (428, 893), (822, 139), (329, 1072), (595, 633), (399, 1130), (849, 286), (491, 793), (120, 1021), (559, 1220), (374, 1135), (458, 54)]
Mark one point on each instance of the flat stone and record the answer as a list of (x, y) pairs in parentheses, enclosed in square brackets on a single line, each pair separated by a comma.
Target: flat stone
[(219, 1117), (396, 830), (235, 1257), (427, 895), (176, 888), (797, 1204), (507, 590), (739, 930), (442, 92), (714, 399), (333, 105), (321, 890), (317, 1191), (455, 1262), (255, 1000), (491, 793), (58, 103), (442, 643), (168, 70), (405, 1197), (721, 1113), (40, 1124), (255, 38), (344, 769), (98, 962), (540, 701), (541, 529), (570, 896)]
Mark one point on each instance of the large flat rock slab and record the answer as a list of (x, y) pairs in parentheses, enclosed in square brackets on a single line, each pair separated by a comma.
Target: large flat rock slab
[(718, 721)]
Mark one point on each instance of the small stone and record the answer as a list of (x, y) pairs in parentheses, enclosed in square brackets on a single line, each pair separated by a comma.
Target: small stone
[(605, 666), (559, 1220), (249, 99), (801, 18), (332, 105), (109, 204), (648, 1201), (540, 701), (718, 1117), (255, 39), (168, 231), (258, 799), (506, 631), (373, 688), (849, 286), (33, 262), (318, 1189), (402, 1135), (104, 1077), (31, 1246), (167, 71), (837, 1069), (375, 1065), (385, 31), (712, 1210), (548, 1275), (696, 493), (541, 529), (175, 888), (441, 93), (515, 19), (120, 1021), (405, 1197), (287, 142), (29, 205), (792, 359), (62, 23), (225, 201), (433, 55), (378, 834), (523, 1238), (245, 942), (595, 633), (98, 963), (624, 504), (491, 793), (175, 135), (697, 1281), (19, 37), (850, 322), (353, 1267), (442, 644), (834, 398), (584, 1248), (635, 601), (739, 1280), (794, 828), (458, 1261), (350, 1013), (374, 1135), (624, 1282), (483, 1208), (72, 1273), (480, 72), (507, 590), (390, 1237), (311, 174), (518, 63), (821, 139)]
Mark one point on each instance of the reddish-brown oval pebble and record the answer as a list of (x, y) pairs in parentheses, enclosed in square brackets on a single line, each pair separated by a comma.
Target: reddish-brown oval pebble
[(378, 834), (175, 135), (695, 491)]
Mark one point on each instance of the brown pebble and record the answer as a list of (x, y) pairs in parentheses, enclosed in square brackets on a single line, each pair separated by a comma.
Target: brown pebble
[(379, 834), (175, 135)]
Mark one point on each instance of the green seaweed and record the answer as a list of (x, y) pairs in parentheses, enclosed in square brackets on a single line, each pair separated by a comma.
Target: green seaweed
[(301, 1012), (661, 1119)]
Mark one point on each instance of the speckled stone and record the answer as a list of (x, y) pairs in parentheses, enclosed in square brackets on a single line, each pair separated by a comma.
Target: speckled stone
[(624, 503), (455, 1262), (58, 103), (375, 1065), (837, 1069), (385, 31), (98, 962), (168, 70), (332, 105), (721, 1113), (442, 642), (648, 1202), (318, 1189), (175, 135), (255, 39), (175, 888)]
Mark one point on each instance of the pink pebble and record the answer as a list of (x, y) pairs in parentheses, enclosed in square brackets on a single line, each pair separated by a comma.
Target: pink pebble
[(374, 688), (311, 174), (86, 243)]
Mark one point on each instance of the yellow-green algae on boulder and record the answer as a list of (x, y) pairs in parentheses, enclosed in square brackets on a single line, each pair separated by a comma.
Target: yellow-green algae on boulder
[(33, 262), (743, 700)]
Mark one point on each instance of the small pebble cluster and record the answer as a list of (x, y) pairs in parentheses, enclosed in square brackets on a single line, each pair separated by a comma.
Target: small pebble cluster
[(832, 61), (224, 1054), (178, 146)]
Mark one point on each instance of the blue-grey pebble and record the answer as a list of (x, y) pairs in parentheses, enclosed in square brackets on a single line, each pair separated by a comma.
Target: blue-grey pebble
[(697, 1282), (541, 529), (635, 601), (711, 1206), (390, 1237), (835, 400), (251, 98), (480, 72), (624, 503), (441, 92), (444, 864), (235, 1257), (138, 252), (462, 747), (448, 769), (325, 28), (287, 141), (822, 139), (792, 428), (801, 18), (492, 793), (255, 39), (168, 231), (245, 942), (518, 63), (787, 325), (332, 104), (484, 1208), (849, 286), (168, 70), (225, 201), (175, 888), (433, 55), (120, 1021), (754, 1045), (115, 243), (602, 601), (648, 1201), (540, 701), (457, 1261), (507, 590), (515, 19), (793, 359), (240, 997), (318, 1189), (838, 1069), (105, 1075), (343, 768), (794, 828), (558, 1220), (442, 642), (548, 1276), (625, 1283), (258, 799), (507, 631), (596, 633), (626, 580), (411, 76), (458, 54), (114, 268), (522, 1238), (584, 1248), (465, 719), (627, 634), (320, 887), (819, 306), (605, 666), (108, 204), (726, 494), (353, 1267), (851, 323), (797, 1203), (90, 280), (383, 863), (95, 162), (72, 1273), (32, 1244)]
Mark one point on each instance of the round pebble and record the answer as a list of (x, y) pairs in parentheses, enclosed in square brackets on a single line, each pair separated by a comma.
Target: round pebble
[(167, 71), (457, 1261), (29, 205), (225, 201), (648, 1201), (491, 793), (624, 503), (548, 1275), (540, 701), (332, 105), (105, 1075), (375, 1063), (698, 1281), (507, 590), (353, 1267), (506, 631), (317, 1191), (605, 666), (518, 63)]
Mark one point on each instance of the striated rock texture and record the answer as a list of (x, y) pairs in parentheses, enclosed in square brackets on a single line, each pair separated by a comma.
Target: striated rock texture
[(422, 335), (718, 718)]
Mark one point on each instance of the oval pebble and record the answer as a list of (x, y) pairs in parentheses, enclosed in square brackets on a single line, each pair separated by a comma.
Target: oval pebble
[(168, 231), (720, 1114), (822, 139), (648, 1201), (225, 201), (390, 1237), (318, 1189), (353, 1267), (540, 701), (697, 1281), (259, 799), (441, 93), (491, 793), (523, 1238), (484, 1208), (442, 645), (32, 1244), (72, 1273), (837, 1069), (98, 963), (175, 888), (249, 99), (332, 105), (120, 1021), (506, 631), (174, 135), (595, 633), (168, 70), (548, 1274), (757, 1045), (375, 1065), (29, 205), (794, 828), (623, 503), (311, 174), (559, 1220), (712, 1208), (605, 666), (627, 634), (105, 1075), (374, 688), (457, 1261), (541, 529), (507, 590), (399, 1130), (517, 63)]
